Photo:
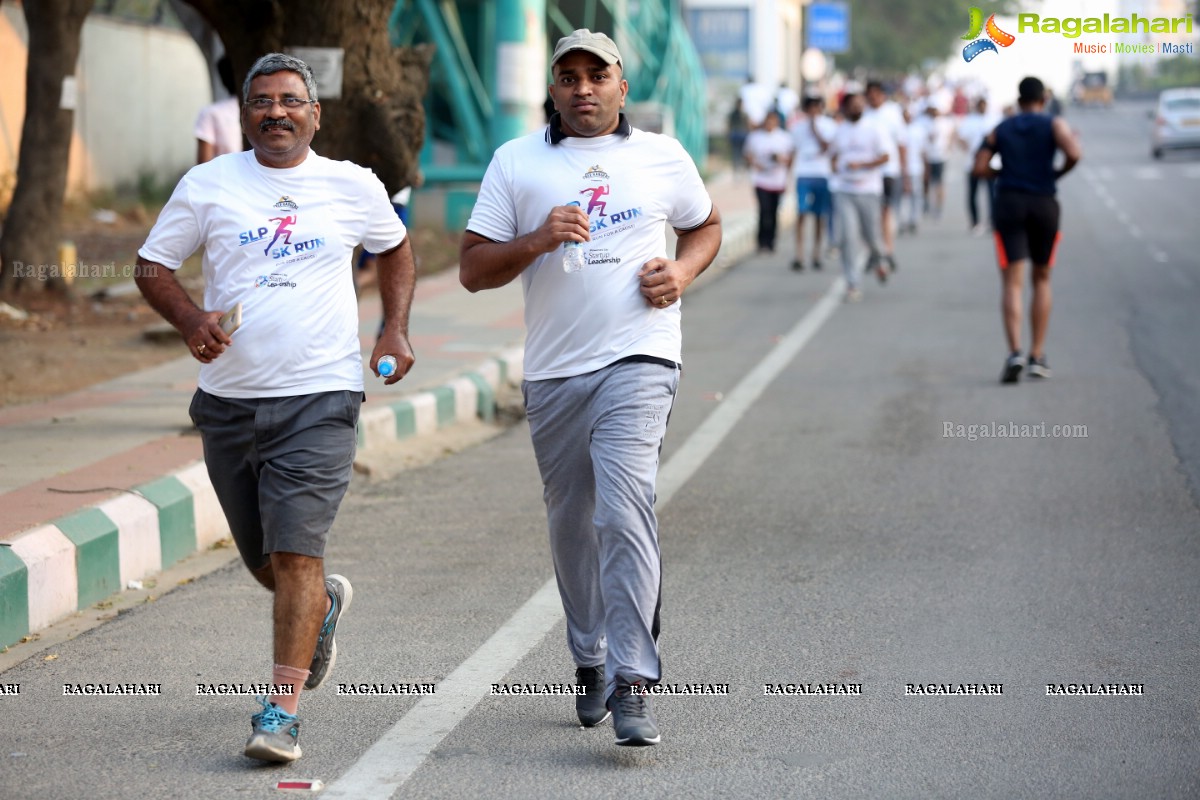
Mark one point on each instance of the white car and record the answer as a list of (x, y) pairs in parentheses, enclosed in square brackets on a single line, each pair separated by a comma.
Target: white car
[(1176, 121)]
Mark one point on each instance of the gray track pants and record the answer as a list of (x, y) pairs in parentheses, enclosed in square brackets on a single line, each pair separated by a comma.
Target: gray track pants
[(597, 439), (867, 209)]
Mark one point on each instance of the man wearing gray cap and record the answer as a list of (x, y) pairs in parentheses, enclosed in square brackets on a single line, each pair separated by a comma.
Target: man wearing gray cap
[(577, 210)]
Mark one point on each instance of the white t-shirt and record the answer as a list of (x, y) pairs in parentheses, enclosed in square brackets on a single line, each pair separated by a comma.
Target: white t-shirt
[(220, 124), (280, 242), (972, 130), (786, 101), (630, 187), (810, 161), (939, 138), (858, 141), (756, 101), (768, 152), (889, 117), (914, 162)]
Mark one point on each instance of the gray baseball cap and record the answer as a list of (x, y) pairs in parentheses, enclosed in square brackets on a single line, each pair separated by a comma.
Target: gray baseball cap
[(583, 39)]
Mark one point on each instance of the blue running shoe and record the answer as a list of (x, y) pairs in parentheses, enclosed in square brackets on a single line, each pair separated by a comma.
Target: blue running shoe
[(276, 735), (341, 594)]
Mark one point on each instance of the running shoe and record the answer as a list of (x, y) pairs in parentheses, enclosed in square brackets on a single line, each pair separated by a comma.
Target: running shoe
[(853, 295), (891, 264), (341, 594), (590, 706), (276, 734), (1012, 368), (1039, 367), (632, 717), (797, 265), (881, 271), (816, 264)]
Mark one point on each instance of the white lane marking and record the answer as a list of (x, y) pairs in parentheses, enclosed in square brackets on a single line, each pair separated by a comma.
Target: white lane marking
[(1147, 173), (392, 760)]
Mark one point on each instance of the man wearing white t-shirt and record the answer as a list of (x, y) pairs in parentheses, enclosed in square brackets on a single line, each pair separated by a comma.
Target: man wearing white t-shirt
[(858, 151), (938, 141), (888, 115), (971, 132), (602, 353), (811, 136), (278, 397), (912, 201)]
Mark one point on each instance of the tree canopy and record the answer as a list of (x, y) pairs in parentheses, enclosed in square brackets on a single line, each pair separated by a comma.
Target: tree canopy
[(892, 37)]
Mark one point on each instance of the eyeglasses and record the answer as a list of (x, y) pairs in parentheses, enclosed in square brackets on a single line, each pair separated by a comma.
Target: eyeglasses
[(289, 103)]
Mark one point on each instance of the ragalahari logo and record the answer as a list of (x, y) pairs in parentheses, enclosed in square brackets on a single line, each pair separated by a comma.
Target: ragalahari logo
[(995, 36)]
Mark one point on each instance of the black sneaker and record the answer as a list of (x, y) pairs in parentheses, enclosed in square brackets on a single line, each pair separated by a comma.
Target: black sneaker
[(590, 706), (797, 265), (632, 717), (816, 264), (891, 262), (341, 595), (1012, 368), (1039, 367)]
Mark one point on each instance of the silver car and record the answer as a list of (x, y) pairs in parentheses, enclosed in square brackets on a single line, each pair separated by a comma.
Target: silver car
[(1176, 121)]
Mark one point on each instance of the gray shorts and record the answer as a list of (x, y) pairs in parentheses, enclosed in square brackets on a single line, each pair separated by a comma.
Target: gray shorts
[(280, 467)]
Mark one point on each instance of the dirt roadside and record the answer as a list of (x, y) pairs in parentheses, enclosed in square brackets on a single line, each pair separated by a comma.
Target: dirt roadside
[(67, 343)]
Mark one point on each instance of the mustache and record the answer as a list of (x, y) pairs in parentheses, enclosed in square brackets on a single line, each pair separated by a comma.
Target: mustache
[(267, 124)]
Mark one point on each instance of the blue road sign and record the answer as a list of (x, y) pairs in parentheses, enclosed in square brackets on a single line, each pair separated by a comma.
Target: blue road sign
[(829, 27)]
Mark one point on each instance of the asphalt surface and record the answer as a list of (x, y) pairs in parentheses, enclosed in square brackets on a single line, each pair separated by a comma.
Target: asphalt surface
[(835, 535)]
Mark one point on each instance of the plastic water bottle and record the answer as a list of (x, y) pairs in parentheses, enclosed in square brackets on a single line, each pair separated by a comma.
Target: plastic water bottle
[(386, 366), (572, 256)]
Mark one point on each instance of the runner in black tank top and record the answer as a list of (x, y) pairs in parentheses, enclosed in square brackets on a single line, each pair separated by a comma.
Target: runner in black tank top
[(1025, 216)]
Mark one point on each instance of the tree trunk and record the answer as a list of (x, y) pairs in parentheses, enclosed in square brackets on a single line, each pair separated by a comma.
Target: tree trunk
[(379, 121), (31, 229)]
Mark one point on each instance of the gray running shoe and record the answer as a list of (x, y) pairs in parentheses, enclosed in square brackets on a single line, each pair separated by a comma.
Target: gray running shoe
[(633, 718), (276, 735), (1012, 368), (590, 706), (325, 656), (1039, 367)]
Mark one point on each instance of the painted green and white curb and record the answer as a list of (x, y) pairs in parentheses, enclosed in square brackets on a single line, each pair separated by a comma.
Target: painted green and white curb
[(52, 571), (470, 396)]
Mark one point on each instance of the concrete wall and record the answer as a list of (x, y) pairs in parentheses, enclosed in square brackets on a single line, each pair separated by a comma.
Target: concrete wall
[(139, 89)]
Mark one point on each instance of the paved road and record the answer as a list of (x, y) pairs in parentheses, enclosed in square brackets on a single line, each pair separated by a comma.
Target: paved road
[(835, 534)]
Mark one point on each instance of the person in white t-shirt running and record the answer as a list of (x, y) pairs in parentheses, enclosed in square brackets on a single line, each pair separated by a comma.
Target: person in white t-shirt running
[(890, 117), (971, 132), (602, 352), (912, 201), (939, 139), (858, 151), (811, 136), (768, 152), (279, 397)]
